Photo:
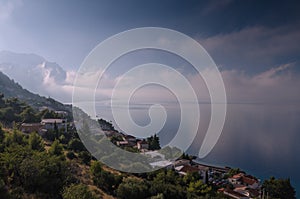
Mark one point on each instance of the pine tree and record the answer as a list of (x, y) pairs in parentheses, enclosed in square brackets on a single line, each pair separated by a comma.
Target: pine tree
[(36, 142), (56, 148)]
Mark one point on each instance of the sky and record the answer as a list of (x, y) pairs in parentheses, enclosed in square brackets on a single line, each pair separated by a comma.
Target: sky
[(247, 35), (255, 45)]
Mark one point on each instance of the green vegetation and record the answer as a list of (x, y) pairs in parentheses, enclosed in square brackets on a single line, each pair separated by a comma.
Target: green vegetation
[(11, 89), (26, 170), (105, 179), (77, 191), (56, 148), (153, 142), (133, 188), (279, 188)]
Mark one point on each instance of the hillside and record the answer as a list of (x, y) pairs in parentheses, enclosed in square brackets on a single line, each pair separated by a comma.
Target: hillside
[(12, 89)]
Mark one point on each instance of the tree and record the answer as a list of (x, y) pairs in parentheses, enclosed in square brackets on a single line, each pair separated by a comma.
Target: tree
[(2, 136), (191, 177), (279, 188), (56, 131), (43, 173), (2, 101), (133, 188), (168, 183), (85, 157), (3, 190), (8, 114), (169, 176), (153, 142), (56, 148), (198, 188), (233, 171), (96, 168), (77, 191), (15, 138), (168, 190), (104, 179), (70, 155), (36, 142), (76, 145), (29, 115), (49, 135)]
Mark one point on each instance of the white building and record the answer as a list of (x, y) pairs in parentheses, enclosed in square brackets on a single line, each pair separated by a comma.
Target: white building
[(49, 124)]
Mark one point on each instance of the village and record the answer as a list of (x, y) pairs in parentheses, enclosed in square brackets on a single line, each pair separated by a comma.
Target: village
[(233, 183)]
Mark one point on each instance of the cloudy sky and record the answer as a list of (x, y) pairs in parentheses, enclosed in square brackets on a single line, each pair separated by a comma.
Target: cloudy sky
[(244, 35), (251, 41), (255, 45)]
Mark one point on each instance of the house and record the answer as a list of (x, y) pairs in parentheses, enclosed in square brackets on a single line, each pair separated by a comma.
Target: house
[(31, 127), (181, 162), (49, 124), (242, 189), (236, 179), (142, 145), (129, 138), (250, 182), (122, 143), (234, 194), (185, 169), (125, 144), (242, 179)]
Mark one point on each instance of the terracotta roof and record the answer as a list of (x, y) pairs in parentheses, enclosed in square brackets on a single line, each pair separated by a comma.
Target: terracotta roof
[(247, 180), (231, 192), (188, 168), (238, 176)]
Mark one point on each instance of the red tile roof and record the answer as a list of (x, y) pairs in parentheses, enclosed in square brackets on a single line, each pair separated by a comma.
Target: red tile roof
[(247, 180), (188, 168)]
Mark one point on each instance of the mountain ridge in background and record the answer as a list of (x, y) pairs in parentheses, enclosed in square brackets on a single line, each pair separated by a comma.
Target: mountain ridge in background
[(37, 75), (12, 89)]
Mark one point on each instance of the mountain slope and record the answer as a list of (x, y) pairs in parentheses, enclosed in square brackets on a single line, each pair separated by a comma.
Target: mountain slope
[(12, 89), (30, 68), (36, 74)]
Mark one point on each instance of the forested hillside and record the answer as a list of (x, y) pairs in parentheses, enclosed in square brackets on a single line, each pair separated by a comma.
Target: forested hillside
[(11, 89)]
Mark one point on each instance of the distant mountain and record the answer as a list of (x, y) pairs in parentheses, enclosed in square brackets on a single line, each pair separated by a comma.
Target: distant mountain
[(29, 68), (12, 89), (35, 74)]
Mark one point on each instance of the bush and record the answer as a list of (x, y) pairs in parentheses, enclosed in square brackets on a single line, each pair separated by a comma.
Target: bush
[(133, 188), (76, 145), (104, 179), (279, 188), (85, 157), (56, 148), (71, 155), (78, 191)]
